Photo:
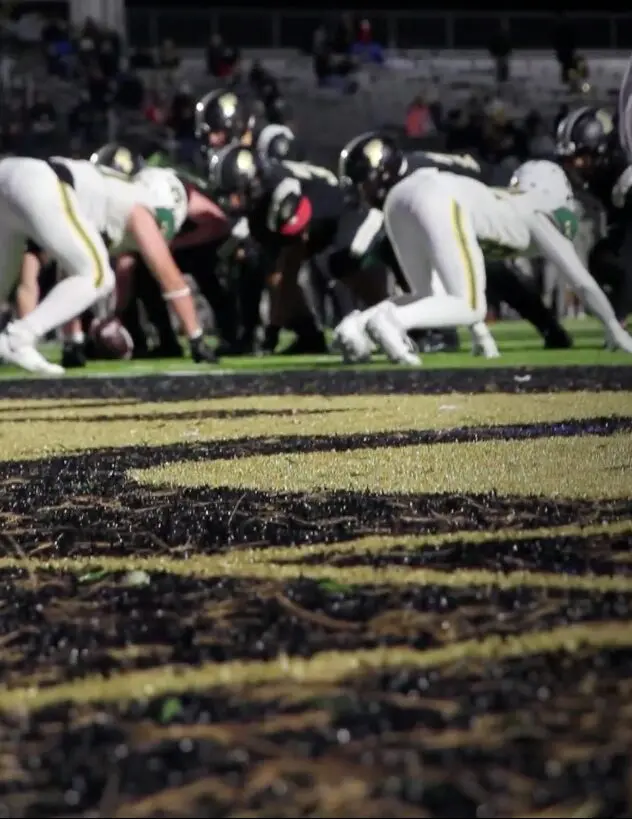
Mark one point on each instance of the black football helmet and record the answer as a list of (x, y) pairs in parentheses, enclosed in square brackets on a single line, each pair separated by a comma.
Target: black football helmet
[(275, 142), (119, 158), (220, 119), (234, 177), (371, 164), (587, 143)]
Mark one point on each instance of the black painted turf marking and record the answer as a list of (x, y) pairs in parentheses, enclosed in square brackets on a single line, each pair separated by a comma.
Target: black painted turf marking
[(326, 382)]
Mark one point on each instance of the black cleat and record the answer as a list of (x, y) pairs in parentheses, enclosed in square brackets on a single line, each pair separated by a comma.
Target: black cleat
[(557, 339), (73, 355)]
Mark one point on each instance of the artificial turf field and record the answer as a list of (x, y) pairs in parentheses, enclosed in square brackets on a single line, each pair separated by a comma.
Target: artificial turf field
[(319, 591)]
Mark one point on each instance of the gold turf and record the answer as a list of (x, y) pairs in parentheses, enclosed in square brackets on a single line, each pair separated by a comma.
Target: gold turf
[(325, 667), (583, 467), (57, 428)]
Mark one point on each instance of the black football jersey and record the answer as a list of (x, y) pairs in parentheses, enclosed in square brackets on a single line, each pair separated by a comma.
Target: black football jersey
[(463, 164), (296, 201), (613, 191)]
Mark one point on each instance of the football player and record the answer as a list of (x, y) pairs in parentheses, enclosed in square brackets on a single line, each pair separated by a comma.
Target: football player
[(293, 211), (437, 220), (197, 249), (224, 118), (221, 118), (587, 146), (371, 164), (66, 207)]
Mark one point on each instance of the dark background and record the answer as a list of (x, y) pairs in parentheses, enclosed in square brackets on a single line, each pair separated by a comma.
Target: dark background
[(248, 26)]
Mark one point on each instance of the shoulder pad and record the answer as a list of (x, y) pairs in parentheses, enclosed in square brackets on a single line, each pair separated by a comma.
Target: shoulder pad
[(284, 202)]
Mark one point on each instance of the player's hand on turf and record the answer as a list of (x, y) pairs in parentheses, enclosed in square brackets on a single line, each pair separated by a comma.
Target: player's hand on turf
[(201, 352)]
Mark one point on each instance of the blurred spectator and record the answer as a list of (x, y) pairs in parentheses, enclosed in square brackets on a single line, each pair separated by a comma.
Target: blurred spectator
[(503, 143), (419, 119), (140, 58), (365, 49), (12, 119), (258, 75), (42, 118), (332, 69), (168, 56), (181, 121), (155, 109), (343, 36), (462, 134), (58, 47), (82, 123), (221, 59), (109, 53), (88, 42), (130, 94), (578, 75), (564, 45), (540, 143), (100, 88), (500, 49), (322, 55)]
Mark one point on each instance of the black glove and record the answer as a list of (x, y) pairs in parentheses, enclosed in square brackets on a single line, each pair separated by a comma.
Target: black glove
[(201, 352)]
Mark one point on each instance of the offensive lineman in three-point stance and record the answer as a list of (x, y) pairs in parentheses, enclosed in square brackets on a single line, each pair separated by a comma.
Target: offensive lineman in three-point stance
[(66, 207)]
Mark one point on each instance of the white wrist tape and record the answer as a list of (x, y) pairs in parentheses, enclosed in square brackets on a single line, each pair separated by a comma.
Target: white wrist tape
[(172, 295)]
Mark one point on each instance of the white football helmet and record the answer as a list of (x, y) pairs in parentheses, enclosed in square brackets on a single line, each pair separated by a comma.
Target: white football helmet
[(546, 179), (165, 191)]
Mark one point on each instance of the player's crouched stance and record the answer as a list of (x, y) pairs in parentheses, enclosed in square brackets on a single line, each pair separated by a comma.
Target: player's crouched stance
[(36, 203), (450, 224), (66, 207)]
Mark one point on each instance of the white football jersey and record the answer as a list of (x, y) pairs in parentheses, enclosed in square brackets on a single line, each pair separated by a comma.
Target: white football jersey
[(107, 198), (503, 218), (162, 193)]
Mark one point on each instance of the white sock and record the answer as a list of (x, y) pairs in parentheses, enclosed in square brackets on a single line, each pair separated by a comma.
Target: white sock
[(69, 298), (435, 312)]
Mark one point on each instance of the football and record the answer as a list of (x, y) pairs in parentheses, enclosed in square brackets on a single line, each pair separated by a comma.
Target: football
[(111, 339)]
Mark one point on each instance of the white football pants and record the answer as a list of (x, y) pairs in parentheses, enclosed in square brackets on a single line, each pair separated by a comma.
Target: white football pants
[(36, 204), (429, 231)]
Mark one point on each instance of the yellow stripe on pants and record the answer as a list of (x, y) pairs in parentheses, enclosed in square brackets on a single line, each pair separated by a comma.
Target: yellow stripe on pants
[(466, 254), (75, 222)]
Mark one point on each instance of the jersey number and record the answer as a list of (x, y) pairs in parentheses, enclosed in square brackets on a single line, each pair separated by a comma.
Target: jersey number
[(305, 170), (166, 222)]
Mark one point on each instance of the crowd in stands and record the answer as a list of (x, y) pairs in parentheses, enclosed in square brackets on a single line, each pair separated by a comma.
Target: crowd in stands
[(91, 59)]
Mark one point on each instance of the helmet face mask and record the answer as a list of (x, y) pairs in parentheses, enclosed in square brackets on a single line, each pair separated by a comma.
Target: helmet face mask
[(220, 119), (585, 143), (234, 177)]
